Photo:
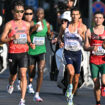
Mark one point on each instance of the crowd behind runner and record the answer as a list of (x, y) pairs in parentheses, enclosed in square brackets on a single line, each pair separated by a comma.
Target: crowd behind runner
[(25, 44)]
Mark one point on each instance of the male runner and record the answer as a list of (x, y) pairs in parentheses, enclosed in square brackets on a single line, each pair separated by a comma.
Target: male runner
[(95, 44), (74, 34), (28, 16), (16, 34), (37, 55)]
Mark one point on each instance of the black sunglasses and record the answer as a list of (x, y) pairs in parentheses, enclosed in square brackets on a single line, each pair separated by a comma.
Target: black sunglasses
[(21, 11), (28, 13)]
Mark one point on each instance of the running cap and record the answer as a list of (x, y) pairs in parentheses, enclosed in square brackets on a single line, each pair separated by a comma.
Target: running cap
[(66, 15)]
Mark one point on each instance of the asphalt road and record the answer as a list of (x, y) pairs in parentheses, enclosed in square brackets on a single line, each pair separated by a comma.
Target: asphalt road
[(51, 94)]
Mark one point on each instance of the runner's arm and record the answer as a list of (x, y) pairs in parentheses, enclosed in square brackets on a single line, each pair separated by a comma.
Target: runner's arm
[(28, 36), (4, 36), (49, 32), (87, 46), (84, 32), (103, 44)]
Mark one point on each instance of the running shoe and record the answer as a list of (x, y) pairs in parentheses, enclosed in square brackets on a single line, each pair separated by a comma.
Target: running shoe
[(68, 93), (37, 99), (70, 103), (102, 91), (10, 89), (22, 102), (18, 85), (30, 89), (70, 100)]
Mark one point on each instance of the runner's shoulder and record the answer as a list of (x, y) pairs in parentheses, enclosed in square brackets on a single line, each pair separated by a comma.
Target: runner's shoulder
[(8, 24), (26, 23), (83, 26)]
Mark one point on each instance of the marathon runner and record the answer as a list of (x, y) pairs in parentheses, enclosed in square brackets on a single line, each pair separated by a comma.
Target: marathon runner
[(95, 43), (37, 55), (16, 34), (74, 34)]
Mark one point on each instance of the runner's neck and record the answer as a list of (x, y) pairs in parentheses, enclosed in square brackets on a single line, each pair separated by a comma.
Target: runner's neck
[(99, 26)]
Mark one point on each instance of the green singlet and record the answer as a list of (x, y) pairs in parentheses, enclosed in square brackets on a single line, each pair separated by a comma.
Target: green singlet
[(39, 39)]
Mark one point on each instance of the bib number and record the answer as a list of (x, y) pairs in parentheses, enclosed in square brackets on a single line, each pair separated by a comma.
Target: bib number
[(100, 51), (21, 40), (72, 46), (39, 40)]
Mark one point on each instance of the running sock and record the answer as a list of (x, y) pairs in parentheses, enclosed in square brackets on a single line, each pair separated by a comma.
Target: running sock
[(98, 102), (70, 86), (37, 94)]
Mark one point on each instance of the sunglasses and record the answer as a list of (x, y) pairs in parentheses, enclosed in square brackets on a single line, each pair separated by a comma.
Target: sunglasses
[(19, 11), (28, 13)]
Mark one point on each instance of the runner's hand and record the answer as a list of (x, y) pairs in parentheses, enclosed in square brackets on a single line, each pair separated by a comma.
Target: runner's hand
[(32, 46), (14, 37), (61, 45), (95, 48), (54, 40)]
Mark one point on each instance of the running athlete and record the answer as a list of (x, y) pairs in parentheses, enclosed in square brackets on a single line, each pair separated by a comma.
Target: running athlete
[(74, 34), (37, 55), (16, 34), (28, 16), (95, 43)]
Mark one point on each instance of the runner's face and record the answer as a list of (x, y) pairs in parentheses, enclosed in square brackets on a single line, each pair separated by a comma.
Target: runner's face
[(70, 3), (98, 19), (18, 12), (40, 15), (28, 15), (75, 16)]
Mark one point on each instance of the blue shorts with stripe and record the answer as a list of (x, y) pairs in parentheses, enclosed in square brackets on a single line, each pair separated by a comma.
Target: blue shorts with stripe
[(74, 58)]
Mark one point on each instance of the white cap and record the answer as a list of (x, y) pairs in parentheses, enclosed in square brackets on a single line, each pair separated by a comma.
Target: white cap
[(66, 15), (1, 20)]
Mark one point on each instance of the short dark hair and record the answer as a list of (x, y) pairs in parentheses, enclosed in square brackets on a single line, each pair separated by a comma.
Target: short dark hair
[(98, 12), (75, 9), (17, 3), (29, 7)]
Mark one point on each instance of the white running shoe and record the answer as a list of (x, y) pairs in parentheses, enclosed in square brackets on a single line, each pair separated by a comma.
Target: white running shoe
[(70, 100), (30, 89), (18, 85), (37, 99), (10, 89), (22, 102)]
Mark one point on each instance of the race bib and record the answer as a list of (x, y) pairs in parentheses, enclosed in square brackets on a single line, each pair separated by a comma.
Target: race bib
[(39, 40), (72, 46), (21, 40), (100, 51)]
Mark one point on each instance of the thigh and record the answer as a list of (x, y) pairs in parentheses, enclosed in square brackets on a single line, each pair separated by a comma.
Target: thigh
[(31, 60), (68, 57), (94, 70), (102, 69), (40, 57), (77, 63), (12, 59), (23, 60), (41, 61)]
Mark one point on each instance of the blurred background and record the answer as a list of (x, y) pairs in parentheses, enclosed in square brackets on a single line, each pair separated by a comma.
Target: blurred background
[(51, 7)]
